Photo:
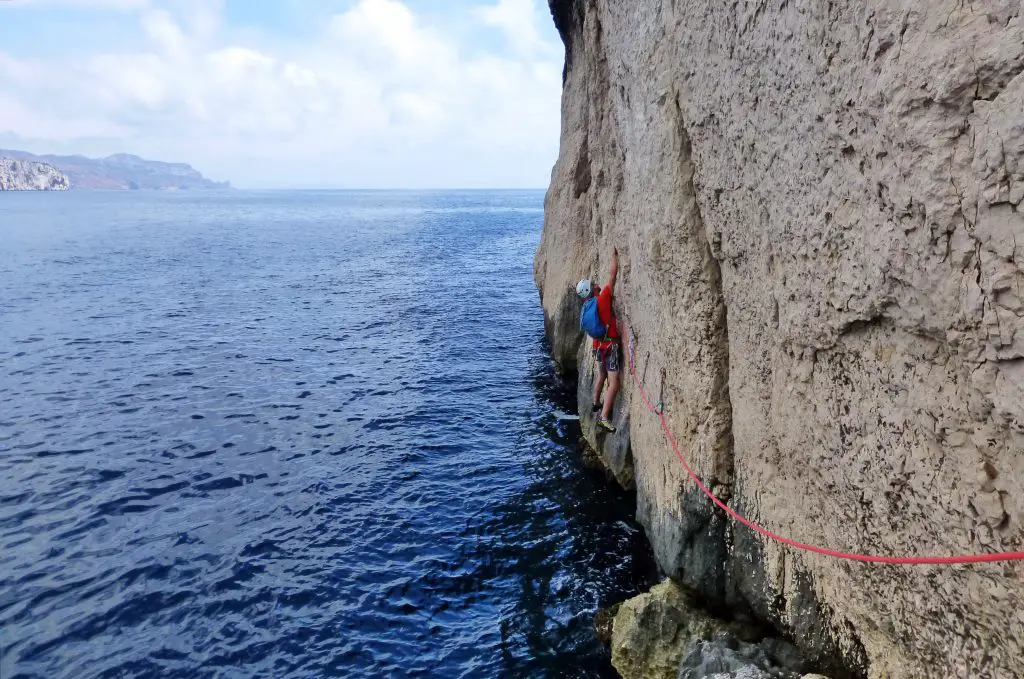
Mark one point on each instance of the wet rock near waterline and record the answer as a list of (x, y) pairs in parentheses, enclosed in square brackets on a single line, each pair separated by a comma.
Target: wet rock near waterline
[(604, 621)]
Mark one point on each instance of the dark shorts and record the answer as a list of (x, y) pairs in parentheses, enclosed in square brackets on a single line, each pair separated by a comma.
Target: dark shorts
[(609, 357)]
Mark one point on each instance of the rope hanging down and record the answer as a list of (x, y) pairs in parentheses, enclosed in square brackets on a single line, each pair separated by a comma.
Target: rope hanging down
[(869, 558)]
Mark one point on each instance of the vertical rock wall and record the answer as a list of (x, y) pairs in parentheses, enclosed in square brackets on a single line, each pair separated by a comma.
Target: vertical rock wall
[(817, 206)]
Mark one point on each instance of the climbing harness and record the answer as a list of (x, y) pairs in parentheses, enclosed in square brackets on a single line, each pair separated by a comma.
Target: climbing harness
[(658, 410)]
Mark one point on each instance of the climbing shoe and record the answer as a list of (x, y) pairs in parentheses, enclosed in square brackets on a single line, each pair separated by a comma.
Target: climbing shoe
[(606, 425), (594, 407)]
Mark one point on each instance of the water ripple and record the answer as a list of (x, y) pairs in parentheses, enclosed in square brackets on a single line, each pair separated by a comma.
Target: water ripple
[(292, 435)]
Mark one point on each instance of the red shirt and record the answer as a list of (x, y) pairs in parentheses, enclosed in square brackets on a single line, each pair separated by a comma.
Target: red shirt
[(607, 316)]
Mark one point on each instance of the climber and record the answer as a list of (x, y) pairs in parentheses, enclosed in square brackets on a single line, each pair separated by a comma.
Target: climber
[(598, 320)]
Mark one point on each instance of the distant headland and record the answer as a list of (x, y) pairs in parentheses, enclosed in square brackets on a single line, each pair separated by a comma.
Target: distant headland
[(27, 175), (120, 171)]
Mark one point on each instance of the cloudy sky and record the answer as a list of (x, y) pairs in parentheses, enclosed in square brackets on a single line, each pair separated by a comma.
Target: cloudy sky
[(290, 93)]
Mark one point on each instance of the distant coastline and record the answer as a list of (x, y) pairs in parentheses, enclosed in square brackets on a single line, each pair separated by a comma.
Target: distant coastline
[(117, 172)]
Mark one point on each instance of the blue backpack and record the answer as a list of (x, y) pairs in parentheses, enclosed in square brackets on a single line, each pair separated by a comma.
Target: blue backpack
[(590, 320)]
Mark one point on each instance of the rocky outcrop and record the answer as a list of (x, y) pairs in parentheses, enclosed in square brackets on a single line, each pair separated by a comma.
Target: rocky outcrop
[(23, 175), (123, 171), (725, 657), (651, 632), (817, 209), (664, 634)]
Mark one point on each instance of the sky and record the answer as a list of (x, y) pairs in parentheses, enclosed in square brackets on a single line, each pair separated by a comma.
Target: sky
[(291, 93)]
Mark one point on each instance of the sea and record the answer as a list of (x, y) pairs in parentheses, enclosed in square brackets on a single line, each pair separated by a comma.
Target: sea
[(293, 434)]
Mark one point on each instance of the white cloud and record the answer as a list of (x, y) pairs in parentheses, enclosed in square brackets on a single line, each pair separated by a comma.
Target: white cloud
[(377, 97), (387, 30), (517, 19)]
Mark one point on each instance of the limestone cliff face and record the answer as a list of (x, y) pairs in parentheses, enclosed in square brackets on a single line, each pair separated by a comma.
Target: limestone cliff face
[(24, 175), (817, 207)]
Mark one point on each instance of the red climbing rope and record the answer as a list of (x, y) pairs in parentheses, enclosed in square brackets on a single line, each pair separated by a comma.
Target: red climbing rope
[(907, 560)]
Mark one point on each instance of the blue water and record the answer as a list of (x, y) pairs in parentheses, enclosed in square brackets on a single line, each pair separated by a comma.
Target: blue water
[(292, 435)]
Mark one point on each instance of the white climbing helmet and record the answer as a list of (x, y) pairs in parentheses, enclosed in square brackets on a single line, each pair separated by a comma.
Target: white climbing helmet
[(584, 288)]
